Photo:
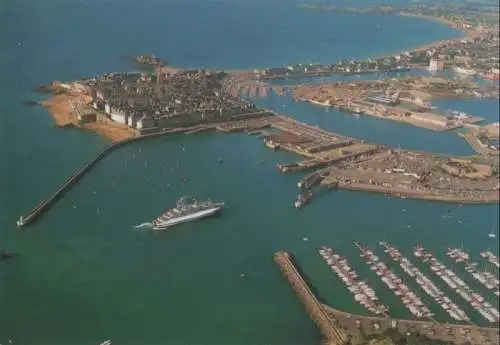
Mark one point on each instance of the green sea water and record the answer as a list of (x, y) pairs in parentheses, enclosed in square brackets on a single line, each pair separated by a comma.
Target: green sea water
[(85, 274)]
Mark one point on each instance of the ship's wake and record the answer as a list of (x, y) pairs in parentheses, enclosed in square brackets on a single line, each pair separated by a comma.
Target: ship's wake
[(144, 226)]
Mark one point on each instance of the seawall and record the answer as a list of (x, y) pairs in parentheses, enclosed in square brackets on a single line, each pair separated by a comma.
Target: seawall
[(331, 333), (45, 204)]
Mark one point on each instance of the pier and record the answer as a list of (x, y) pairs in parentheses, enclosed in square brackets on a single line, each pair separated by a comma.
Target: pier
[(478, 302), (487, 278), (425, 283), (331, 332), (363, 293), (410, 300), (492, 258)]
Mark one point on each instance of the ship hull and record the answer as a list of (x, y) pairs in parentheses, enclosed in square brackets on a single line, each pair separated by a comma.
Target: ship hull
[(187, 218)]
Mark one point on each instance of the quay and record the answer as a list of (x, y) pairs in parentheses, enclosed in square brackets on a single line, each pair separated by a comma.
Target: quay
[(338, 326), (322, 148), (403, 100), (341, 162), (480, 142), (332, 334)]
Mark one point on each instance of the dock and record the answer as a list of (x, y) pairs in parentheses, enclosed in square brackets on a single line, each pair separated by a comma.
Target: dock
[(247, 125), (478, 302), (479, 145), (409, 299), (486, 277), (425, 283)]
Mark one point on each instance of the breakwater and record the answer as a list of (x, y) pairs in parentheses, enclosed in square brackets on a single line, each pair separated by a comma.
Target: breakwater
[(45, 204), (332, 334)]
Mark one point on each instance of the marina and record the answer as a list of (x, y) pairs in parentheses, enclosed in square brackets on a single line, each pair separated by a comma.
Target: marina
[(478, 302), (409, 299), (487, 278), (427, 285), (337, 326), (492, 258), (363, 294)]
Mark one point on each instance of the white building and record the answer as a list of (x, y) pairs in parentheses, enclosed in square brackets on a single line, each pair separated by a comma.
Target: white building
[(145, 122), (132, 121), (118, 115), (436, 64)]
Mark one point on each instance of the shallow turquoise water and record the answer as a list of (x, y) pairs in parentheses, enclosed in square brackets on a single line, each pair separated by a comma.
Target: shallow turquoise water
[(86, 275)]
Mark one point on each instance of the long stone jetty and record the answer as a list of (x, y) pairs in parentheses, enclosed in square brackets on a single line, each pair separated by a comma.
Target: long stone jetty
[(332, 334), (45, 204)]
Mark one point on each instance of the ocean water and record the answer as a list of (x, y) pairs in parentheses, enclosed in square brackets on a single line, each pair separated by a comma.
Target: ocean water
[(85, 274)]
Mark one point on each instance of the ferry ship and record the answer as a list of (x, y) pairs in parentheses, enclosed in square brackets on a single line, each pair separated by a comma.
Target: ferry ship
[(187, 209)]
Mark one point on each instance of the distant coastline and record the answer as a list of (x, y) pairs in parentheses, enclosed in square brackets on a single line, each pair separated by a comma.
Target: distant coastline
[(59, 106), (467, 33)]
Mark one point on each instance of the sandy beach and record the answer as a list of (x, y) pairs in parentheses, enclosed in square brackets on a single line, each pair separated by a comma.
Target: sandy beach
[(60, 108), (468, 33)]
